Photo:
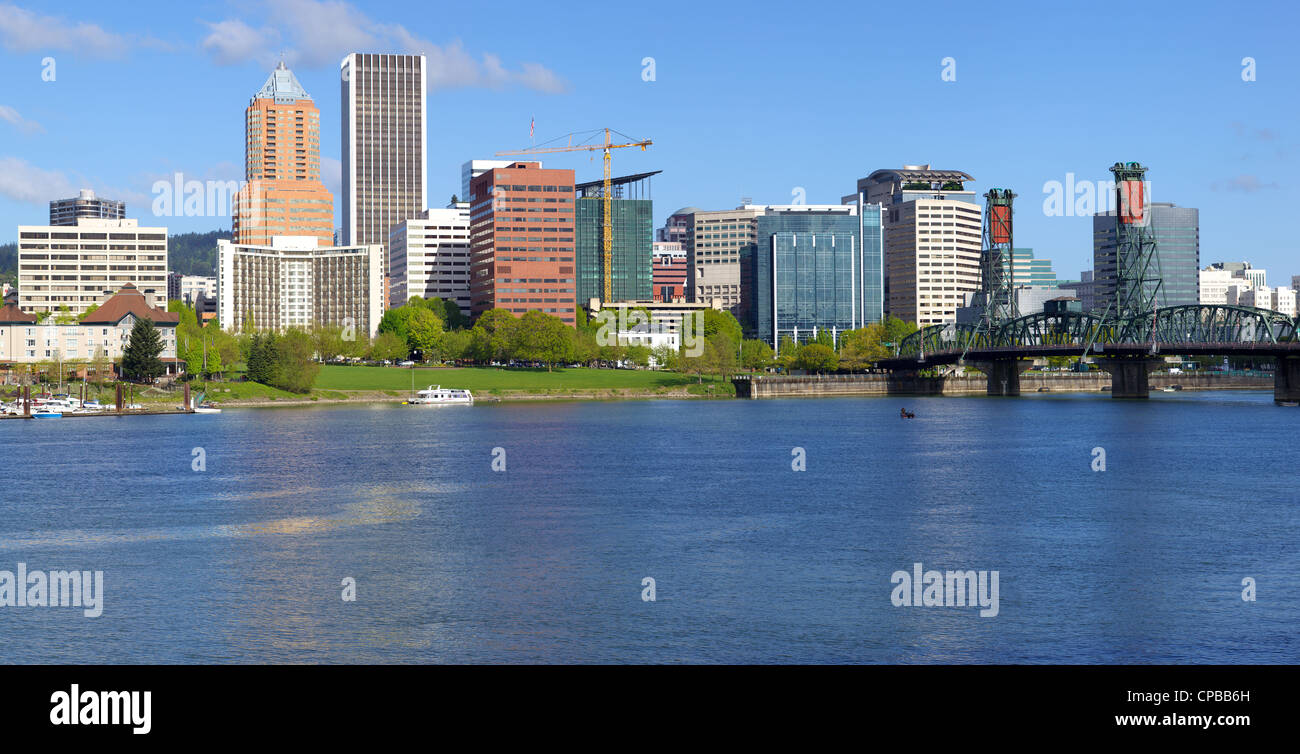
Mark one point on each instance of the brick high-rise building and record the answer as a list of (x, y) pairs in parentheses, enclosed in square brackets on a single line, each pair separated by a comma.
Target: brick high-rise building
[(284, 195), (522, 241)]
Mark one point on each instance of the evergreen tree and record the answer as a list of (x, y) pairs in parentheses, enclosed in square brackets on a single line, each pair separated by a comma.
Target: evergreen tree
[(140, 360)]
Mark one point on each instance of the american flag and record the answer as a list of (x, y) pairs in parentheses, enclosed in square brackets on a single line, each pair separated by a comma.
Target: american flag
[(531, 122)]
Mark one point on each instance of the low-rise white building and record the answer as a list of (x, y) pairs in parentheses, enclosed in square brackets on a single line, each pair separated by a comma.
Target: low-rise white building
[(1284, 301), (428, 256)]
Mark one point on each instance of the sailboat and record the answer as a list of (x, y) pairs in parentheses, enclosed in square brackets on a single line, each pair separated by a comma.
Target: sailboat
[(198, 406)]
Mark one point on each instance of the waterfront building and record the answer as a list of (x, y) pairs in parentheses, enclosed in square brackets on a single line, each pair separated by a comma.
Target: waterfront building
[(665, 316), (428, 256), (809, 271), (283, 194), (79, 265), (632, 218), (719, 250), (295, 283), (522, 241), (932, 240), (104, 333), (668, 271), (385, 143), (1176, 231), (1258, 296), (85, 205)]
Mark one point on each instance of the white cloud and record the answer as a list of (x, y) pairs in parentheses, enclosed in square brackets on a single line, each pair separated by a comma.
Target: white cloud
[(11, 116), (24, 182), (331, 174), (319, 33), (233, 42), (23, 31)]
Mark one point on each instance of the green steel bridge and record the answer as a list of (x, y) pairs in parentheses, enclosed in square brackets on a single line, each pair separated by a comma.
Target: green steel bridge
[(1129, 348)]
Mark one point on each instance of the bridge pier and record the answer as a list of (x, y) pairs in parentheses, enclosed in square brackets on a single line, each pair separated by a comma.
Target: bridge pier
[(1003, 374), (1286, 380), (1129, 376)]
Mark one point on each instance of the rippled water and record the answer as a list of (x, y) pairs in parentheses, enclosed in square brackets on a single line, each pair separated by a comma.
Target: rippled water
[(753, 562)]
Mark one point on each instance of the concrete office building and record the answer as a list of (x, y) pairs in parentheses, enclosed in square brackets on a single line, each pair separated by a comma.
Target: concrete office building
[(1178, 254), (85, 205), (1284, 301), (632, 219), (283, 194), (192, 285), (385, 143), (719, 248), (428, 256), (76, 266), (522, 241), (296, 283), (932, 240), (1085, 290)]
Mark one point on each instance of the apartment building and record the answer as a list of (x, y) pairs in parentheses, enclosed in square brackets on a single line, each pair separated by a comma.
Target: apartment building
[(83, 264)]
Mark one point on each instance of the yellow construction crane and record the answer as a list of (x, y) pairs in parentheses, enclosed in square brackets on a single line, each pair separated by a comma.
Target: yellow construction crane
[(608, 232)]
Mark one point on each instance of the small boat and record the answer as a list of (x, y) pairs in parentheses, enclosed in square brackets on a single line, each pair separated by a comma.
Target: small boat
[(206, 408), (47, 413), (1169, 389), (437, 395)]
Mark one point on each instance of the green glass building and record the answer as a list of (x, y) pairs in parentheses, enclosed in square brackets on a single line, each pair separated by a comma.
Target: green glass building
[(631, 259)]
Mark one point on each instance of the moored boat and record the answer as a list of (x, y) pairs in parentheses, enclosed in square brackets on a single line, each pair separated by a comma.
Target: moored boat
[(437, 395)]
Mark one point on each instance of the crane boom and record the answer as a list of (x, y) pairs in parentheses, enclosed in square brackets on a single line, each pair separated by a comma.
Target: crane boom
[(607, 231)]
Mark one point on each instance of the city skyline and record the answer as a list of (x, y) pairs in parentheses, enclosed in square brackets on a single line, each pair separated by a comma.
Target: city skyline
[(489, 84)]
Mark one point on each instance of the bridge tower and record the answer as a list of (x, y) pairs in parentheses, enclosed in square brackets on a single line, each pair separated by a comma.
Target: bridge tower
[(997, 293), (1137, 265)]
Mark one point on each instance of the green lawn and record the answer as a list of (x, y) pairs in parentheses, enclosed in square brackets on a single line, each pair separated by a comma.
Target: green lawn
[(485, 379)]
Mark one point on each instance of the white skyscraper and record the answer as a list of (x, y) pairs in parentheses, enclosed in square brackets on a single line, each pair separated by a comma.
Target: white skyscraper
[(385, 141)]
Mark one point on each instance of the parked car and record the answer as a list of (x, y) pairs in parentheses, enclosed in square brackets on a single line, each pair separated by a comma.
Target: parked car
[(406, 363)]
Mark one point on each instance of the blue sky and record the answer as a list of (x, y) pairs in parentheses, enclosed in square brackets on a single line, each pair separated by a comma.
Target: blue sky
[(754, 99)]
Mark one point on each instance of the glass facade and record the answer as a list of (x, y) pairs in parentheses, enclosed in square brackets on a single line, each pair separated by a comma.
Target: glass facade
[(1178, 254), (631, 260), (808, 273)]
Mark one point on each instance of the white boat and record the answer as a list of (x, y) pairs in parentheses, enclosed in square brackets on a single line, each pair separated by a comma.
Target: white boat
[(437, 395), (47, 413)]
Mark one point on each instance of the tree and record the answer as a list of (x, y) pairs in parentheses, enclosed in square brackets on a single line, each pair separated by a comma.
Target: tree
[(493, 335), (666, 357), (397, 321), (755, 354), (815, 357), (720, 321), (388, 347), (89, 311), (140, 360), (293, 368), (540, 337), (861, 348), (424, 333), (720, 354), (260, 362), (327, 340), (457, 344), (100, 364)]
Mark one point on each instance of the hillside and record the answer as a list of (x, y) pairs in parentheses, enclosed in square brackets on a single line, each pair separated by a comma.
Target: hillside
[(194, 253)]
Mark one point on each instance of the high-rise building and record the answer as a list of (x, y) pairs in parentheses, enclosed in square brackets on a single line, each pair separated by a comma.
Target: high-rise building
[(719, 250), (632, 220), (1031, 271), (932, 240), (668, 271), (871, 234), (428, 256), (295, 283), (385, 143), (810, 267), (473, 169), (522, 241), (87, 205), (76, 266), (283, 195), (1177, 261), (677, 229)]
